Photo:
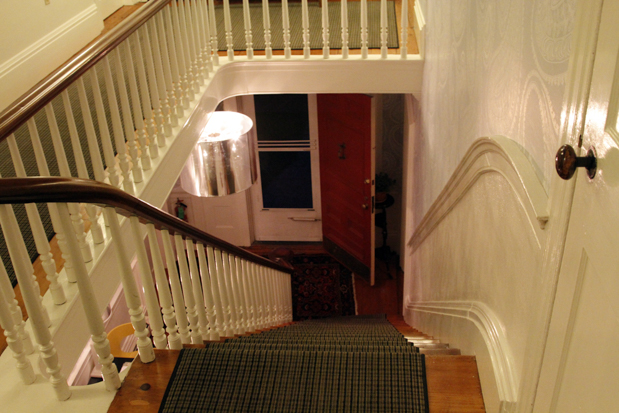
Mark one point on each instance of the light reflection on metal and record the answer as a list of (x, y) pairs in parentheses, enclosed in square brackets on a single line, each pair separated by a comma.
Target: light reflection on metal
[(223, 161)]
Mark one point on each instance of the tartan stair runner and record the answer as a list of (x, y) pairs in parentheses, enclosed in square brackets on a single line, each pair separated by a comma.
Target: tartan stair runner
[(342, 364)]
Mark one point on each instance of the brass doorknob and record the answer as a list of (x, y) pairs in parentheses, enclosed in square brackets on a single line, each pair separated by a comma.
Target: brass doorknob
[(364, 206), (566, 162)]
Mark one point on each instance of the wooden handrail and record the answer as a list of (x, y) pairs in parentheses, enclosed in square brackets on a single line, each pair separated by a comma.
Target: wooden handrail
[(53, 189), (47, 89)]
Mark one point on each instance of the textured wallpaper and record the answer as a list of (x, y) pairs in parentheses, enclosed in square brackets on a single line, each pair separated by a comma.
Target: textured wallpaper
[(493, 67)]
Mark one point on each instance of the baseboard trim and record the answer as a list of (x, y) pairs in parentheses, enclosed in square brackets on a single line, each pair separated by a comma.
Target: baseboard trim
[(25, 69)]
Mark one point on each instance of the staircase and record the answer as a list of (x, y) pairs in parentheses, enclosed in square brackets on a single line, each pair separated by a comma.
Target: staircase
[(355, 363)]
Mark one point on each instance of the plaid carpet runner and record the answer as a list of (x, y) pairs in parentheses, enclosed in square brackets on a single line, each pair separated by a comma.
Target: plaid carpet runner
[(343, 364)]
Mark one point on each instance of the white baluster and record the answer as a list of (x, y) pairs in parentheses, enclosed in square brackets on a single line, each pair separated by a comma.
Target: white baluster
[(117, 127), (148, 64), (197, 289), (163, 288), (145, 346), (281, 280), (53, 209), (222, 322), (93, 145), (325, 29), (272, 290), (268, 299), (155, 131), (104, 132), (259, 309), (277, 294), (166, 58), (7, 295), (183, 64), (266, 22), (213, 32), (194, 48), (289, 297), (225, 294), (207, 290), (238, 299), (305, 28), (162, 92), (175, 67), (24, 368), (242, 302), (150, 294), (383, 29), (188, 47), (250, 292), (234, 322), (364, 29), (91, 310), (63, 165), (128, 120), (38, 231), (228, 29), (82, 171), (204, 31), (38, 320), (247, 25), (138, 118), (286, 27), (344, 13), (177, 291), (190, 302), (404, 24)]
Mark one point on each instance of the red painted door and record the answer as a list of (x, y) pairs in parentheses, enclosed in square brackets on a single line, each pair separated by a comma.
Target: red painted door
[(345, 129)]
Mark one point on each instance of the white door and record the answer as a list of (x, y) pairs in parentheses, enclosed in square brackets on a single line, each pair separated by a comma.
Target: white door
[(580, 371), (286, 197)]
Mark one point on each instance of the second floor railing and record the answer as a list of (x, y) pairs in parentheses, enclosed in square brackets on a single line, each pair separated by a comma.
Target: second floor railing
[(196, 287)]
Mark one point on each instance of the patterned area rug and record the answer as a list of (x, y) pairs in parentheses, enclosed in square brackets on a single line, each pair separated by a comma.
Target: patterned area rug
[(321, 287)]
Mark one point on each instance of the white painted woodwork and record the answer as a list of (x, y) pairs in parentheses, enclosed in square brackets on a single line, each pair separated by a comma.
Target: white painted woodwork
[(222, 321), (238, 296), (150, 294), (224, 294), (207, 290), (227, 273), (325, 29), (163, 289), (188, 290), (157, 115), (344, 22), (177, 292), (579, 374), (197, 289), (10, 300), (305, 29), (38, 232), (248, 34), (91, 310), (164, 73), (183, 65), (383, 29), (213, 31), (364, 29), (404, 33), (205, 31), (174, 65), (145, 346), (196, 66), (266, 23), (186, 32), (286, 28), (250, 295)]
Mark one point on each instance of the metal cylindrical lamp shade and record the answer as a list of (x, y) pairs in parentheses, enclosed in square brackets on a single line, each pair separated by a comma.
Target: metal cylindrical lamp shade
[(223, 161)]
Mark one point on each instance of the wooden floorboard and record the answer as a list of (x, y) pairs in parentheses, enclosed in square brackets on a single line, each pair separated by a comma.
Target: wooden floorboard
[(453, 384)]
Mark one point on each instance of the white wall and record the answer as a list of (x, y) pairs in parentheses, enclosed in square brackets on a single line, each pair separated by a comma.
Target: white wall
[(492, 68), (37, 38)]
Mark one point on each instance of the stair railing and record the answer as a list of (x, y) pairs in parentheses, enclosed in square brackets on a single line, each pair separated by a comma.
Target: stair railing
[(199, 288)]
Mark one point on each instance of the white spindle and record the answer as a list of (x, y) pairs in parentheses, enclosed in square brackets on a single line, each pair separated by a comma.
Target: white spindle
[(207, 290), (281, 281), (166, 61), (80, 163), (53, 209), (7, 295), (259, 297), (138, 118), (268, 297), (38, 320), (234, 321), (197, 289), (404, 24), (288, 283), (383, 29), (344, 13), (150, 294), (325, 29), (194, 48), (183, 64), (190, 302), (145, 97), (205, 31), (63, 165), (177, 291), (364, 29), (277, 293), (225, 294), (286, 27), (250, 291), (216, 290), (145, 346), (163, 288), (228, 29), (247, 25), (93, 145), (192, 75), (238, 298), (15, 343), (157, 120), (273, 296), (306, 32), (91, 310), (128, 120), (243, 301), (104, 132), (213, 32), (117, 127), (266, 22), (38, 231), (166, 111), (179, 97)]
